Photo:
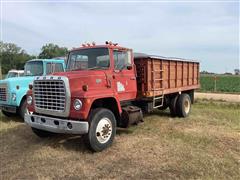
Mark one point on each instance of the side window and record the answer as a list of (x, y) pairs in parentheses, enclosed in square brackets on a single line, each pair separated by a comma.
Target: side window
[(54, 67), (59, 67), (121, 59)]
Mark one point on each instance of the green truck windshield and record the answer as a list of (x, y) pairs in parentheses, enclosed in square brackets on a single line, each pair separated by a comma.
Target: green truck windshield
[(33, 68)]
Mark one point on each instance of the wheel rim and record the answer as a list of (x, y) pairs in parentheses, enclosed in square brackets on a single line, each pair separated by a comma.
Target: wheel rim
[(104, 130), (186, 106)]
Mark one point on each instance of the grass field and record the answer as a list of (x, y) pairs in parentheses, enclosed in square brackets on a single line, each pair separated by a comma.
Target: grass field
[(205, 145), (225, 83)]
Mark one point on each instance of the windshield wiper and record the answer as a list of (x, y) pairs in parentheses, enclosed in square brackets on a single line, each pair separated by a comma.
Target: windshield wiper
[(96, 67), (75, 69)]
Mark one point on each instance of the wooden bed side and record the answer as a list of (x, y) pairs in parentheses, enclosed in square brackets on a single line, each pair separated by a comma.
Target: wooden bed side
[(176, 76)]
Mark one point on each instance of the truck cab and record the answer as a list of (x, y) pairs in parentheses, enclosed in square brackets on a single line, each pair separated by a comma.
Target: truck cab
[(98, 79), (13, 90)]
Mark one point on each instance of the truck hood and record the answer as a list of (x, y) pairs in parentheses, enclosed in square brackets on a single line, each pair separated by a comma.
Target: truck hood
[(12, 83), (95, 80), (17, 81)]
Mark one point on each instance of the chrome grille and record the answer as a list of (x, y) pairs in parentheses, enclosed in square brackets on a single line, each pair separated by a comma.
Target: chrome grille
[(50, 95), (3, 92)]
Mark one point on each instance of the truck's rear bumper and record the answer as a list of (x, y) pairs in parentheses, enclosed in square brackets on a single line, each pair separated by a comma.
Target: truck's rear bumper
[(56, 125), (11, 109)]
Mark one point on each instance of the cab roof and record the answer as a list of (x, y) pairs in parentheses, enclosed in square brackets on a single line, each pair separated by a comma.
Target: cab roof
[(146, 56), (48, 60), (16, 71), (110, 46)]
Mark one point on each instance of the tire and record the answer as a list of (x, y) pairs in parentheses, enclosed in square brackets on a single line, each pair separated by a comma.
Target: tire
[(41, 133), (23, 108), (173, 106), (184, 105), (8, 114), (100, 119)]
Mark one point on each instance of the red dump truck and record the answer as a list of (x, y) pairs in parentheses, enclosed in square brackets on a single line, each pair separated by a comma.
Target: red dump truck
[(108, 86)]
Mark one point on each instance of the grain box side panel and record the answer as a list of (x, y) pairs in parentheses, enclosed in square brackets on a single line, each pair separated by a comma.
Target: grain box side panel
[(179, 74), (190, 73), (185, 74), (149, 75), (195, 73), (165, 74), (172, 74), (157, 75)]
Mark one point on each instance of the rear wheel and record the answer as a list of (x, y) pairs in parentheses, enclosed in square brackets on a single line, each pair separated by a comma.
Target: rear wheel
[(184, 105), (102, 129), (8, 114), (173, 106), (41, 133)]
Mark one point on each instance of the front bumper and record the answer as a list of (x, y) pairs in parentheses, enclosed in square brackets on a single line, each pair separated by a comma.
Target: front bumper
[(56, 125), (11, 109)]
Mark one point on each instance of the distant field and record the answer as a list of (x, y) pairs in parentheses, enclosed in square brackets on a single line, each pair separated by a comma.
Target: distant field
[(225, 83)]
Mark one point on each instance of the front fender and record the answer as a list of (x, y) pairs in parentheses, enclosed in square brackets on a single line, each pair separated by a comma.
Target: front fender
[(21, 93), (87, 104)]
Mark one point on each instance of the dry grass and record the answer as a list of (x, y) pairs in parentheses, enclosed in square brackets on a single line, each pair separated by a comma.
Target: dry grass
[(205, 145)]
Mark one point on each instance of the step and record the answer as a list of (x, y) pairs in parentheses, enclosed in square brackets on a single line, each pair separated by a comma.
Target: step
[(161, 97), (158, 106)]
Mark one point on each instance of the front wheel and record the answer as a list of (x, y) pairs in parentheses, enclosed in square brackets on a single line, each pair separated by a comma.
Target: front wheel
[(23, 108), (102, 129)]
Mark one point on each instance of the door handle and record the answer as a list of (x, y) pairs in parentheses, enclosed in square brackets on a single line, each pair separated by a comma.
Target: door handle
[(132, 78)]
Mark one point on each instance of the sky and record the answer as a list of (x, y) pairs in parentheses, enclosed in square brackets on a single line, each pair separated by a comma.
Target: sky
[(203, 31)]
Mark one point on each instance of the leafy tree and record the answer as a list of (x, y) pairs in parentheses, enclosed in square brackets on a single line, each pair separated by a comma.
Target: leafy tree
[(12, 57), (49, 51)]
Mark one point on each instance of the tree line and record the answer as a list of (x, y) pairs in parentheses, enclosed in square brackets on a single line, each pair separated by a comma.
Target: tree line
[(14, 57)]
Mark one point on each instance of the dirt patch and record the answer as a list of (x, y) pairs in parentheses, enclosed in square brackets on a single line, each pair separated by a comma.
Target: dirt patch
[(218, 96)]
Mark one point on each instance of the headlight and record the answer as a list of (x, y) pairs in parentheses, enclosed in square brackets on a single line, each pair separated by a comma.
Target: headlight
[(29, 100), (77, 104), (14, 97)]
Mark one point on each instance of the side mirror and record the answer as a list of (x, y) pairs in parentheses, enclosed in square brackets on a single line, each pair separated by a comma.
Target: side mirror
[(129, 67)]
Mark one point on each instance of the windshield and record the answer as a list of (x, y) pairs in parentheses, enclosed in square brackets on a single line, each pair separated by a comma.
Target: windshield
[(12, 74), (89, 59), (33, 68)]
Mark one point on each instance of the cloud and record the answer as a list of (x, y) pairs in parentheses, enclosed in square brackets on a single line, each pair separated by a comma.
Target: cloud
[(205, 31)]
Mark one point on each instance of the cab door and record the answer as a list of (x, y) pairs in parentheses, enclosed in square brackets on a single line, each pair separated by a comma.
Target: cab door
[(124, 75)]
